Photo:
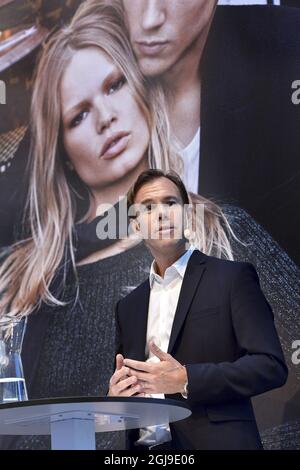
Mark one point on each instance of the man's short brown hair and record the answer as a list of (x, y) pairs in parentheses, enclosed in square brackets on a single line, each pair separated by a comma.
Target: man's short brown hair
[(151, 175)]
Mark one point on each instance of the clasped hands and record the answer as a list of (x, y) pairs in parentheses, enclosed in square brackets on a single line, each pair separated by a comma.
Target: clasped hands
[(136, 378)]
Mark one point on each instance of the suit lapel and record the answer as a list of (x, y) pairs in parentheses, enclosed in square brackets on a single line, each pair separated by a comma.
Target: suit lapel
[(139, 325), (192, 277)]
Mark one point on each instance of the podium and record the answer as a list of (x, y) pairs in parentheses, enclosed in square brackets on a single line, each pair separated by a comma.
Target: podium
[(73, 422)]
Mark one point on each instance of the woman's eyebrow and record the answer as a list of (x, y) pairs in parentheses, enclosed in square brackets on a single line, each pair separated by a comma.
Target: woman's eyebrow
[(106, 82), (73, 109), (115, 73)]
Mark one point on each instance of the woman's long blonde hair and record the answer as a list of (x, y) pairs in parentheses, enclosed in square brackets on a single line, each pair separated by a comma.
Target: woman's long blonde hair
[(27, 274)]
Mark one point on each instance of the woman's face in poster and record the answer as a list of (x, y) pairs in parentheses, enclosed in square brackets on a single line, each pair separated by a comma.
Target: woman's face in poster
[(105, 133)]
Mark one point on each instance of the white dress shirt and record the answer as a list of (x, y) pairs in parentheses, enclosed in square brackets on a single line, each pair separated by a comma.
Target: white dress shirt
[(163, 301), (191, 159)]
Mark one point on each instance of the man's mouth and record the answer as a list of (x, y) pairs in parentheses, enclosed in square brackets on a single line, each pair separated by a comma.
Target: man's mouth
[(151, 48), (166, 229)]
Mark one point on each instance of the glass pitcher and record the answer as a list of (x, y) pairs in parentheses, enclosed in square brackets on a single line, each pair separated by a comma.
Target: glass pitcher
[(12, 382)]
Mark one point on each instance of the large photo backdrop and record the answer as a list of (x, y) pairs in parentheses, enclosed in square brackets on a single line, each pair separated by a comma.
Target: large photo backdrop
[(228, 111)]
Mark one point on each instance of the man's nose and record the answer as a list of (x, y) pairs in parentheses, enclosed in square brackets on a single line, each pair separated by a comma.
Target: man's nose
[(163, 211), (105, 115), (154, 14)]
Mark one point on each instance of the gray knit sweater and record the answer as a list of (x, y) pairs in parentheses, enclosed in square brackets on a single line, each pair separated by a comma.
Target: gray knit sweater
[(77, 357)]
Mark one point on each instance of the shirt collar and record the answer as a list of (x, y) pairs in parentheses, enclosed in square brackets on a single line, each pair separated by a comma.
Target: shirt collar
[(175, 270)]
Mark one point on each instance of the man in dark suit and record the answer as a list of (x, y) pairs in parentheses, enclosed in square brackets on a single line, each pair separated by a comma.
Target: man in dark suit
[(198, 329)]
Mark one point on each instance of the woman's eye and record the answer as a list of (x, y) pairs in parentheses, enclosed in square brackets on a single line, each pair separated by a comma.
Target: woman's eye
[(78, 119), (116, 85)]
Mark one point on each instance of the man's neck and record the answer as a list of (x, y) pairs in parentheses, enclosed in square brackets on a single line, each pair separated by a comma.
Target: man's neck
[(183, 89), (164, 260)]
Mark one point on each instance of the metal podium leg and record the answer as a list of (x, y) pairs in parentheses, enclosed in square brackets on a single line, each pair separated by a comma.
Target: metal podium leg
[(73, 431)]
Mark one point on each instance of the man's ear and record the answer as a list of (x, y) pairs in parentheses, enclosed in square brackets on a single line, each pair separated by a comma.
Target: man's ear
[(188, 217), (188, 222), (135, 227)]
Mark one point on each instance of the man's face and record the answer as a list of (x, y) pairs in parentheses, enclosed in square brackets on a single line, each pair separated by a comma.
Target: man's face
[(163, 31), (161, 218)]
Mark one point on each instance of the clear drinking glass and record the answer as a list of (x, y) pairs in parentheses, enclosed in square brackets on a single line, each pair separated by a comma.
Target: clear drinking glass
[(12, 382)]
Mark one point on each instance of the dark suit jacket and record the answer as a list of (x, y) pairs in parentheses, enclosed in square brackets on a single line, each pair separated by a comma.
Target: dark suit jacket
[(224, 333), (250, 138)]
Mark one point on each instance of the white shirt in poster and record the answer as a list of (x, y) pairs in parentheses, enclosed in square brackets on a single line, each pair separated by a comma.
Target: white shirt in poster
[(191, 159)]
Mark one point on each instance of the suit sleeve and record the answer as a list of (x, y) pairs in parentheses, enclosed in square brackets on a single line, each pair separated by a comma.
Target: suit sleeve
[(260, 367), (118, 346)]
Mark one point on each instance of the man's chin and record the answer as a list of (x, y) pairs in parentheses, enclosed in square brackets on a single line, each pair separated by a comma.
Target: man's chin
[(163, 244), (153, 67)]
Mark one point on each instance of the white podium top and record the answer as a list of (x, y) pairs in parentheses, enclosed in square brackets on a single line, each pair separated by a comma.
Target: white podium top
[(35, 417)]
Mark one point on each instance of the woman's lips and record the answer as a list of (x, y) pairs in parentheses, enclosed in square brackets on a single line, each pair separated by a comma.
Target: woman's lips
[(151, 48), (117, 146)]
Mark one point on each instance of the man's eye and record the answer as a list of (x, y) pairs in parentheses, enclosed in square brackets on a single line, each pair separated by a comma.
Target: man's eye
[(116, 85), (148, 208), (78, 119), (171, 203)]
